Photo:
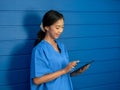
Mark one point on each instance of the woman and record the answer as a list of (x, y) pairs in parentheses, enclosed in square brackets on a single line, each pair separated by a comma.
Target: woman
[(50, 66)]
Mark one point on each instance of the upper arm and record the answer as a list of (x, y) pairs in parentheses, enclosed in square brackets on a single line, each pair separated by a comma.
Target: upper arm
[(39, 64)]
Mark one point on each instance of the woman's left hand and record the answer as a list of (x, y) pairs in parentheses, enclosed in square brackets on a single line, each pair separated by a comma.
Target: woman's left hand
[(83, 69), (80, 70)]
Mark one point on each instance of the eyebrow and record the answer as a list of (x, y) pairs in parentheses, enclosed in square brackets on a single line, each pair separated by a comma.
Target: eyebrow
[(59, 25)]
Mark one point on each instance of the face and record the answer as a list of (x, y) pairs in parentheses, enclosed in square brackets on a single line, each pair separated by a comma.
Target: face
[(55, 30)]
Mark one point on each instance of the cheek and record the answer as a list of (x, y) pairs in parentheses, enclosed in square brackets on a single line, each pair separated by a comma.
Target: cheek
[(53, 30)]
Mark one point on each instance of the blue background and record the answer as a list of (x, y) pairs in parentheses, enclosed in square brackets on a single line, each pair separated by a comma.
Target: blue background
[(92, 31)]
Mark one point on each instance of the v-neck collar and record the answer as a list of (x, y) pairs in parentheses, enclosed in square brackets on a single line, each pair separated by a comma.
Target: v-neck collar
[(60, 51)]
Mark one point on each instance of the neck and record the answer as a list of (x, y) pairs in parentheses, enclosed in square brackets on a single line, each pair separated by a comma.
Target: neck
[(49, 39), (52, 42)]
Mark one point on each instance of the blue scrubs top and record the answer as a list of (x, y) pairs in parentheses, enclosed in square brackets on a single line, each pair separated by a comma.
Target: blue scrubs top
[(45, 59)]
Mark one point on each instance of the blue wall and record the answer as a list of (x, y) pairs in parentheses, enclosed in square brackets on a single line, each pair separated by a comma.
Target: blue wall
[(92, 31)]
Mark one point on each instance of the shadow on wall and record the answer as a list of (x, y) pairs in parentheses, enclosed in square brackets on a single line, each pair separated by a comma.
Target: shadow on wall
[(19, 73)]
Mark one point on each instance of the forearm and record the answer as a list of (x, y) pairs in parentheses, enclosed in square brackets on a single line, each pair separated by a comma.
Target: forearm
[(52, 76), (48, 77)]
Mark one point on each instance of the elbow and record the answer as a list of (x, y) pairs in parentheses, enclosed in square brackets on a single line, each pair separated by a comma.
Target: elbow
[(36, 81)]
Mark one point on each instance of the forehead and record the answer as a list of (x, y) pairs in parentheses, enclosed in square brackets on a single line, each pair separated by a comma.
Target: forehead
[(59, 22)]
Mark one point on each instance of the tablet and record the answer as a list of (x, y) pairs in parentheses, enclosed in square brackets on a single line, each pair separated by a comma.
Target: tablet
[(77, 68)]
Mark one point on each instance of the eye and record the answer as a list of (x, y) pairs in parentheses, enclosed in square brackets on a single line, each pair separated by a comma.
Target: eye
[(57, 27), (60, 27)]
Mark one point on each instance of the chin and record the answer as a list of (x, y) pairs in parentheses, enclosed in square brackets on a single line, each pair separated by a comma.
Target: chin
[(56, 38)]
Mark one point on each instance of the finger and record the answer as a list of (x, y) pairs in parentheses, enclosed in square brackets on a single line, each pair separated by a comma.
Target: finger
[(73, 67), (73, 63), (80, 70), (86, 67), (77, 61)]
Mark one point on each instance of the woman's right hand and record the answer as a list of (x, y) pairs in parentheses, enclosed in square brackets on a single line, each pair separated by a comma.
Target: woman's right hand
[(70, 66)]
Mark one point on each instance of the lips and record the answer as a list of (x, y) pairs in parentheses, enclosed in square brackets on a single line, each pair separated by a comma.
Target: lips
[(57, 34)]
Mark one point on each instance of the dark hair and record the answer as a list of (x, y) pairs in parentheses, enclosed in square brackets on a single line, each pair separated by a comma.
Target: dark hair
[(49, 18)]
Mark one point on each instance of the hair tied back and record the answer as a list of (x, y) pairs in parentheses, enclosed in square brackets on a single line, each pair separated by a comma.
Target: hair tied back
[(41, 26)]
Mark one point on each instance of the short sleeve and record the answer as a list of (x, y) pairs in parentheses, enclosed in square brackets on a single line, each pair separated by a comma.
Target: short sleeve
[(39, 64)]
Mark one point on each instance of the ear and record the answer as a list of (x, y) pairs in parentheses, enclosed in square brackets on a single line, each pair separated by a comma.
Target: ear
[(46, 28)]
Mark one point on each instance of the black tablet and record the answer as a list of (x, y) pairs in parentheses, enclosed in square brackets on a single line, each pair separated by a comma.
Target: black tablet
[(77, 68)]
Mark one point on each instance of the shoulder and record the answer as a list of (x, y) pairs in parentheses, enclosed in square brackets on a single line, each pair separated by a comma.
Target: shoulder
[(39, 46)]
